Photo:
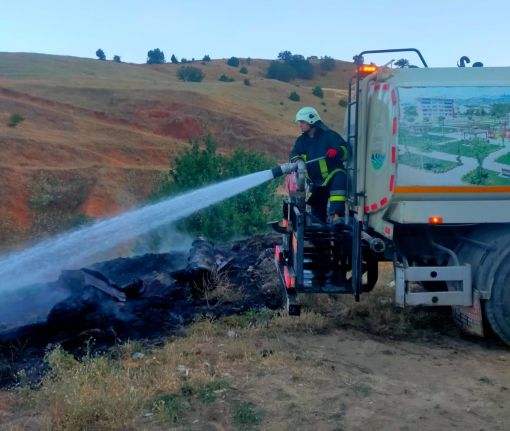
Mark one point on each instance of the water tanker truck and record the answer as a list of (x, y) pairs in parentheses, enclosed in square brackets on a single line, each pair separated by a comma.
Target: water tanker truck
[(429, 191)]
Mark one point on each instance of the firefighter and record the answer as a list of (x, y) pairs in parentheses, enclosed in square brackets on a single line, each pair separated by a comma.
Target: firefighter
[(328, 176)]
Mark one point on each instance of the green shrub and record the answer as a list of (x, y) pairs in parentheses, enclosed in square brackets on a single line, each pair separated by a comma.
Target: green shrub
[(243, 70), (246, 82), (190, 73), (246, 416), (233, 61), (170, 408), (343, 103), (294, 96), (207, 393), (317, 91), (225, 78), (15, 119), (245, 214)]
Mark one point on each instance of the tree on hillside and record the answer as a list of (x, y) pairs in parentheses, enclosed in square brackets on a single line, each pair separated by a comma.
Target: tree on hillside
[(233, 61), (206, 58), (173, 59), (285, 55), (303, 67), (327, 63), (289, 67), (281, 71), (155, 56), (100, 54), (116, 59)]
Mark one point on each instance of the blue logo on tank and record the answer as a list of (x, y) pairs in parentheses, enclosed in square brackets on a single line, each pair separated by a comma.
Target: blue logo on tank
[(377, 160)]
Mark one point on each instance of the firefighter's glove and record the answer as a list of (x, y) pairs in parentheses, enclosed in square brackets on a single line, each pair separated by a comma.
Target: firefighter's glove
[(331, 153)]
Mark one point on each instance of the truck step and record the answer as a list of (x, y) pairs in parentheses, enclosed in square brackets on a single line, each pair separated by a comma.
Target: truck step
[(325, 282), (327, 289)]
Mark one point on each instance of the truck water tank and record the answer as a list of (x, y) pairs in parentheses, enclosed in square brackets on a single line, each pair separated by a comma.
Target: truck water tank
[(438, 135)]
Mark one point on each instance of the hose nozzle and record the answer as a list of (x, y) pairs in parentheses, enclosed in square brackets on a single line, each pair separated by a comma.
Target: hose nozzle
[(284, 169)]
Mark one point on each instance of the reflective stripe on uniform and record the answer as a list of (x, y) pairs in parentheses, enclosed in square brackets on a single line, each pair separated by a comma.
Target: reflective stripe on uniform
[(323, 165), (345, 154), (330, 175), (337, 198)]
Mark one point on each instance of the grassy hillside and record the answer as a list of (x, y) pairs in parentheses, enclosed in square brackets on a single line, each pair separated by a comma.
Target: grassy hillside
[(96, 135)]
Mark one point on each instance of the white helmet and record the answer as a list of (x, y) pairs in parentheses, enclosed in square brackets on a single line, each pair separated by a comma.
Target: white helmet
[(308, 115)]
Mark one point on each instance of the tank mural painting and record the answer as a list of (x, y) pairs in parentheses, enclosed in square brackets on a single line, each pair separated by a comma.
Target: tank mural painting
[(454, 136)]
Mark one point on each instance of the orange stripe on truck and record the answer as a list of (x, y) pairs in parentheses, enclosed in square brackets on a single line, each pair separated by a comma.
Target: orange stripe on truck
[(452, 189)]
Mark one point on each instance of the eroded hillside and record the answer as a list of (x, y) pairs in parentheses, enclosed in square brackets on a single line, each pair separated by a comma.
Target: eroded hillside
[(96, 136)]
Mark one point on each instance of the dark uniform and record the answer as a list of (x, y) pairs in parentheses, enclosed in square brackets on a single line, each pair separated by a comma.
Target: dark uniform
[(328, 176)]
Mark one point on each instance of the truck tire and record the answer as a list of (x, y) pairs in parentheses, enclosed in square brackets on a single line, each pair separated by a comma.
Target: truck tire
[(490, 262), (497, 308)]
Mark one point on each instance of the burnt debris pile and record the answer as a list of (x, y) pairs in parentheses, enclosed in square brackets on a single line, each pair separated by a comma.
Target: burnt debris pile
[(141, 297)]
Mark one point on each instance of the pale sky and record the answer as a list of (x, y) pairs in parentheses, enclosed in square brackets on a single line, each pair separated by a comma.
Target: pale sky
[(443, 30)]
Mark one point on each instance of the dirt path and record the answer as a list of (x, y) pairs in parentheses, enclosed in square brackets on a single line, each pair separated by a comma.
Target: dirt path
[(364, 383)]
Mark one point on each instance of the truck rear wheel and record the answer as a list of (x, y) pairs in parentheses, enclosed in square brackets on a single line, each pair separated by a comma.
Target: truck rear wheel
[(497, 308), (487, 249)]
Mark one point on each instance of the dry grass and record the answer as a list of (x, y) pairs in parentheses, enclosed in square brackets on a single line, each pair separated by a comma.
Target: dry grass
[(169, 385), (377, 314), (308, 321), (221, 290)]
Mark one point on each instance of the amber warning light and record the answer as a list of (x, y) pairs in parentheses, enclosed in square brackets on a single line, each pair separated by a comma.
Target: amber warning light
[(367, 68), (435, 220)]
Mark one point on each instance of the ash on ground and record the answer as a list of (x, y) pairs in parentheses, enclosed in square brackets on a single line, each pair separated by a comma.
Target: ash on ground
[(143, 297)]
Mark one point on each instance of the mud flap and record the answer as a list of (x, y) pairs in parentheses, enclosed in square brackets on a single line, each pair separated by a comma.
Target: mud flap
[(469, 319)]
